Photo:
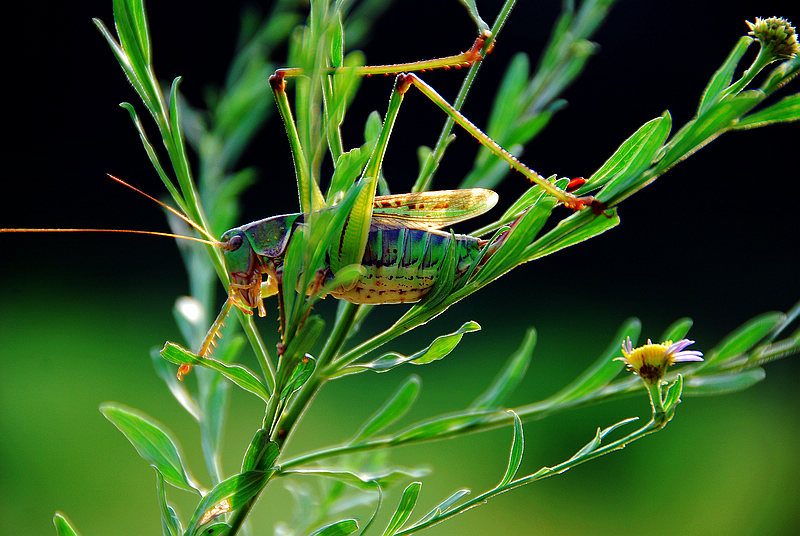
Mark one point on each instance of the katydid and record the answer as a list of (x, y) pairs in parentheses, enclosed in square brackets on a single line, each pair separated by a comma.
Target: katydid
[(396, 239)]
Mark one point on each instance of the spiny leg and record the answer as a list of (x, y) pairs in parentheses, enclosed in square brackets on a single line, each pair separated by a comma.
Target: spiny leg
[(210, 339), (464, 59), (405, 80)]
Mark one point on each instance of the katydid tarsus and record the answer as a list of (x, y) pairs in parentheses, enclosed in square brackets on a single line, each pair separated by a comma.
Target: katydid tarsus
[(396, 239)]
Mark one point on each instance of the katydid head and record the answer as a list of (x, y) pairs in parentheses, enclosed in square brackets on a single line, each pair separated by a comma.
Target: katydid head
[(255, 249)]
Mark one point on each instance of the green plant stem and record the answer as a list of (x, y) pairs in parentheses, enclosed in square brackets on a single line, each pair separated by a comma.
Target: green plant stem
[(487, 421), (762, 60), (341, 329), (425, 177), (654, 425)]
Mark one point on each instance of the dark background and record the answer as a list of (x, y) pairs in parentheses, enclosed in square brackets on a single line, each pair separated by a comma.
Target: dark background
[(714, 239), (726, 214)]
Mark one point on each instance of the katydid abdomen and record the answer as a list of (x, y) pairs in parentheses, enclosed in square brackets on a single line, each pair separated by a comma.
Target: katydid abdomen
[(401, 264)]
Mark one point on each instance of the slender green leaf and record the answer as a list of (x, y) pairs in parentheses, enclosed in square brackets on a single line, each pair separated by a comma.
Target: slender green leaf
[(261, 453), (775, 350), (407, 503), (625, 154), (300, 375), (573, 230), (438, 349), (215, 529), (603, 370), (785, 110), (170, 524), (630, 178), (677, 330), (511, 251), (362, 480), (743, 338), (472, 8), (443, 284), (64, 526), (178, 389), (153, 443), (781, 74), (443, 506), (392, 410), (598, 439), (517, 450), (509, 376), (506, 109), (723, 76), (717, 384), (695, 134), (348, 168), (151, 153), (226, 497), (674, 391), (441, 426), (337, 528), (238, 374)]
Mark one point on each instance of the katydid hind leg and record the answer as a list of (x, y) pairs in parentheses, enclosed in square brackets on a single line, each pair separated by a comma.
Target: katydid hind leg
[(406, 80)]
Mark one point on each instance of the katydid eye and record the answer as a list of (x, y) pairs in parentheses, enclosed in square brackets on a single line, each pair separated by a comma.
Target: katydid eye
[(235, 242)]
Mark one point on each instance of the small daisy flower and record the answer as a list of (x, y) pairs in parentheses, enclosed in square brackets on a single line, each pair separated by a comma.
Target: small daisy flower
[(776, 35), (652, 360)]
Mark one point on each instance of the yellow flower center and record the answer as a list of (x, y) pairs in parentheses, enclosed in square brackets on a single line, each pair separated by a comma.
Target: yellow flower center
[(649, 354)]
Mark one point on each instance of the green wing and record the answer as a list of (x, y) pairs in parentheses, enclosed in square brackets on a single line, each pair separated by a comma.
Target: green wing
[(431, 210)]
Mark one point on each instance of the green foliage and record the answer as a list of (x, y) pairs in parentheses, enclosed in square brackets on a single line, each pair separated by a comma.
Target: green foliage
[(325, 253)]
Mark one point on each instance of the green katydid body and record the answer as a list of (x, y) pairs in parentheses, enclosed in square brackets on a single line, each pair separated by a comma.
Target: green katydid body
[(404, 252)]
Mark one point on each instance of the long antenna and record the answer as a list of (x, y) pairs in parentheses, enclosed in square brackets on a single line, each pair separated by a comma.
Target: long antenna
[(211, 240), (154, 233), (167, 207)]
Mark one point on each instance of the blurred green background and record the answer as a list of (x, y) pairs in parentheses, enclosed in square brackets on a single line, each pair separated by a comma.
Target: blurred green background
[(715, 239)]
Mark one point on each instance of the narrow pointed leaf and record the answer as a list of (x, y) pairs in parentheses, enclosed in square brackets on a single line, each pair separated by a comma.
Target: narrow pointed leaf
[(630, 176), (673, 393), (509, 376), (573, 230), (407, 503), (170, 524), (625, 154), (677, 330), (743, 338), (394, 408), (300, 375), (153, 443), (716, 384), (362, 480), (438, 349), (604, 369), (238, 374), (337, 528), (598, 439), (444, 506), (178, 389), (261, 453), (517, 450), (706, 127), (441, 426), (64, 526), (723, 76), (784, 111), (227, 496), (215, 529)]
